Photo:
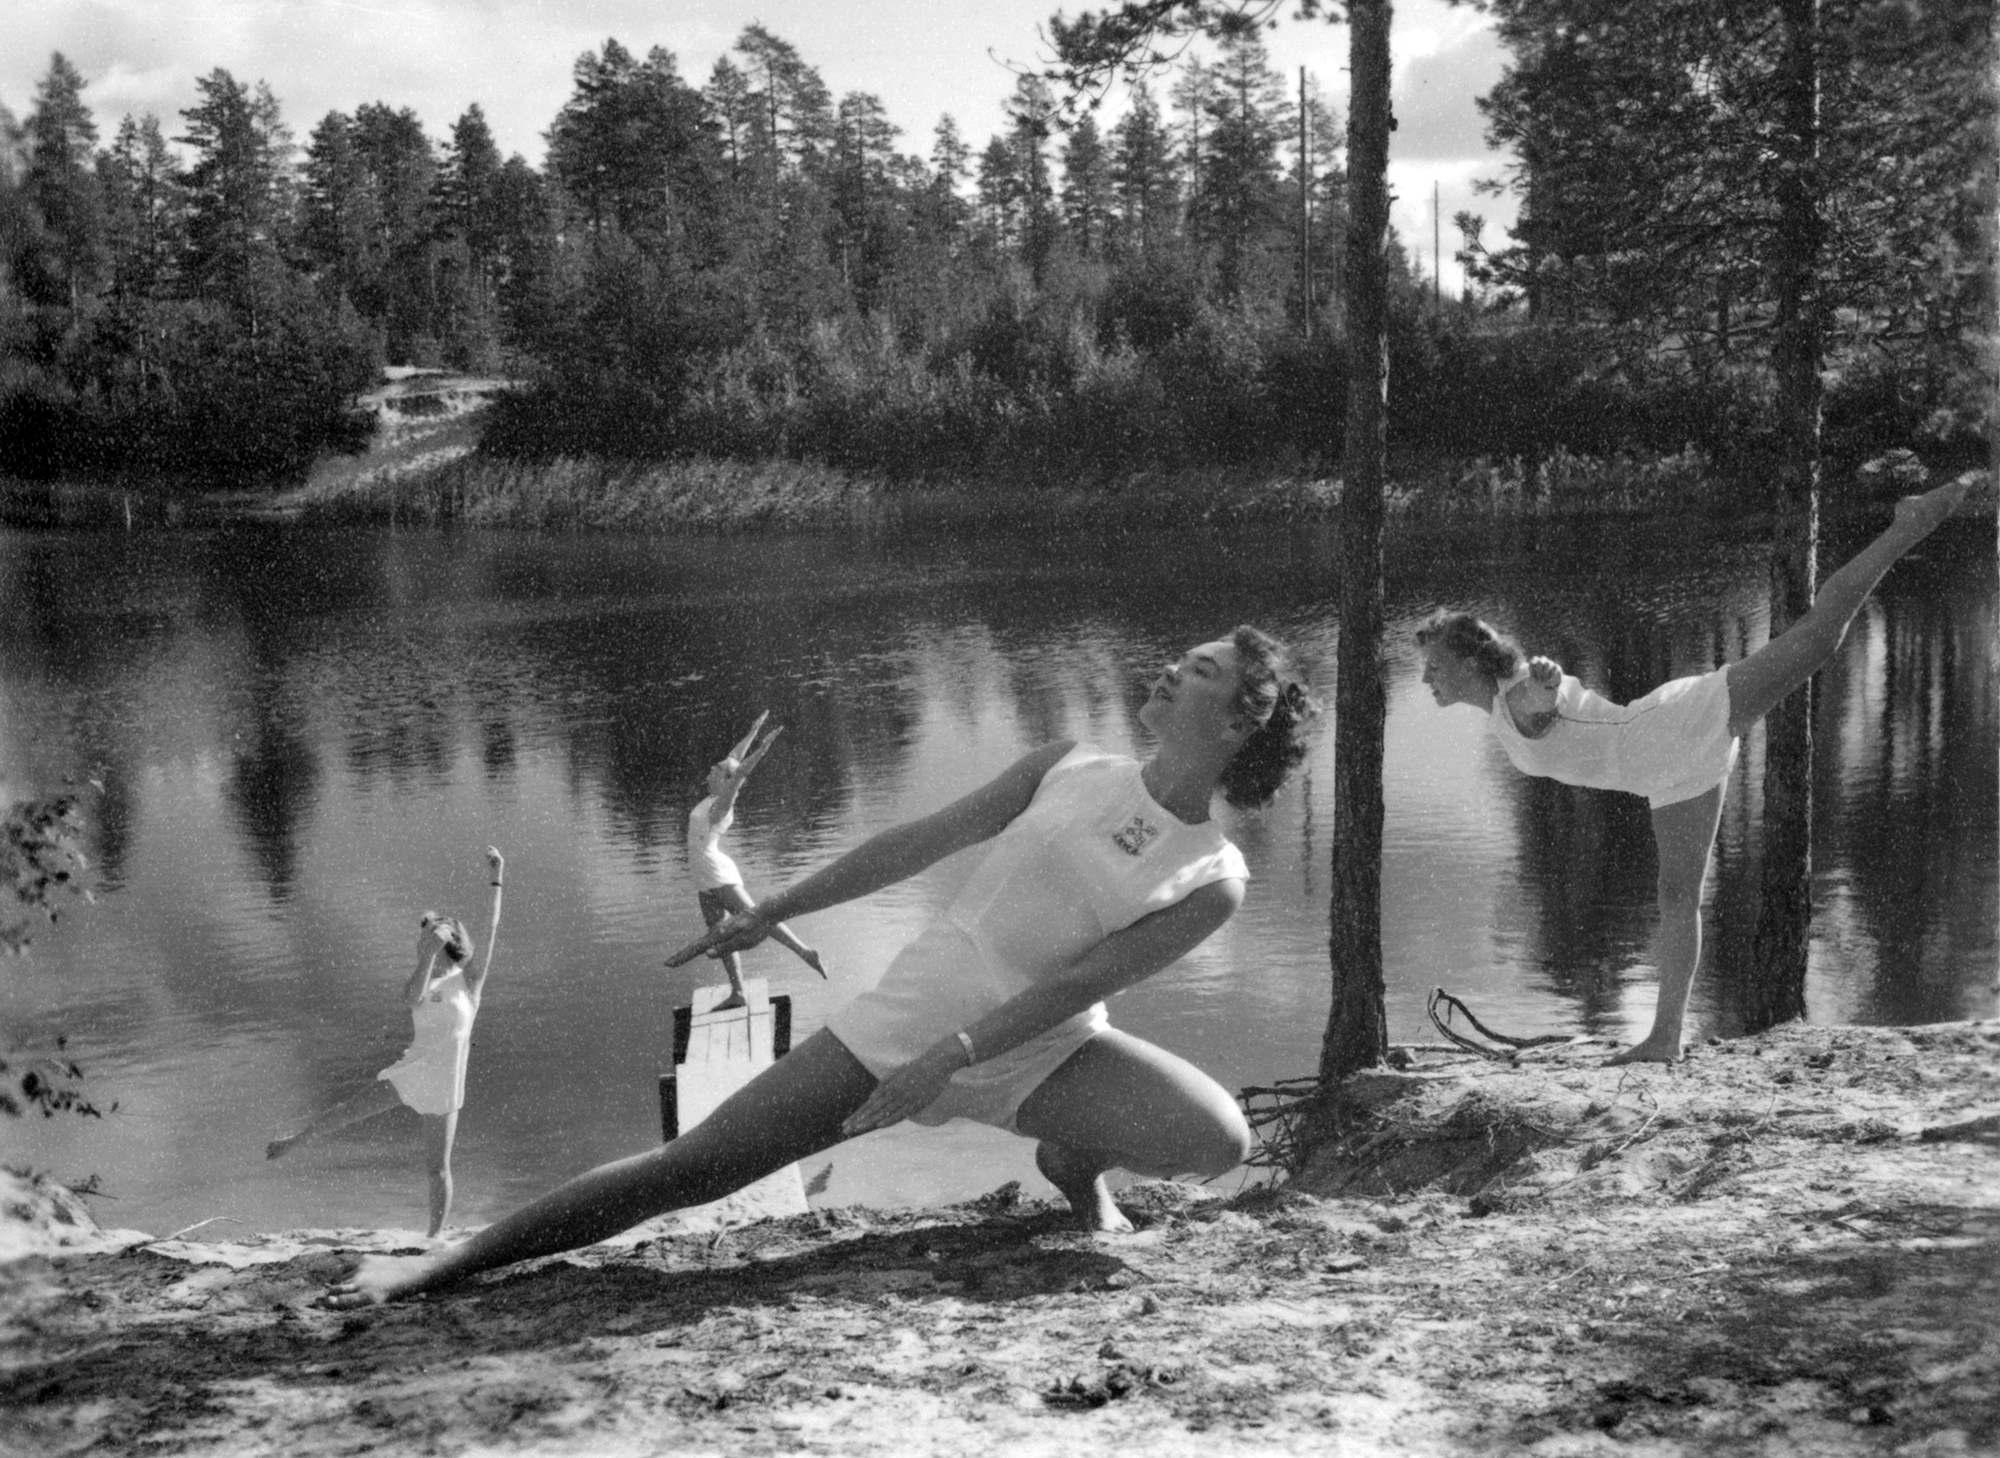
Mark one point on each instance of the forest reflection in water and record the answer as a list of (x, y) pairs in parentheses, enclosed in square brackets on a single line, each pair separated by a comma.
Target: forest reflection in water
[(305, 738)]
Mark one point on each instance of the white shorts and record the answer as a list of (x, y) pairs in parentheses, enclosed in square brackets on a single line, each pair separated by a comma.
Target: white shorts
[(934, 987)]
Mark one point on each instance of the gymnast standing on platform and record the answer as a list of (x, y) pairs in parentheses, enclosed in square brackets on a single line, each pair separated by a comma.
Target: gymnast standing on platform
[(718, 884)]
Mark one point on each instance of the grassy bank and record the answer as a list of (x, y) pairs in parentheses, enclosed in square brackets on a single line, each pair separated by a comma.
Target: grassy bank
[(706, 494), (425, 466)]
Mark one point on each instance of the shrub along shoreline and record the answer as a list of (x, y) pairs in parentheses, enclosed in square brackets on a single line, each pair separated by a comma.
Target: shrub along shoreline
[(434, 472), (724, 494)]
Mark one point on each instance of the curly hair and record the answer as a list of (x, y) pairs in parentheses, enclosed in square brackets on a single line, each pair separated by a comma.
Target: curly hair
[(1273, 695), (1488, 649)]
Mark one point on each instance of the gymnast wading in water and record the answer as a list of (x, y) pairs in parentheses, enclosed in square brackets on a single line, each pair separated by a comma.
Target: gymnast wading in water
[(443, 997), (1102, 871), (1675, 746)]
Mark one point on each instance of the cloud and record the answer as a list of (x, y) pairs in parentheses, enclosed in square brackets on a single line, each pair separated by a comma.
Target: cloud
[(433, 56), (513, 57), (1436, 120)]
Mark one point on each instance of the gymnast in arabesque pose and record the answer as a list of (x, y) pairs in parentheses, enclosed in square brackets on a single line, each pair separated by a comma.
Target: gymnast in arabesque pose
[(1676, 746), (1101, 871)]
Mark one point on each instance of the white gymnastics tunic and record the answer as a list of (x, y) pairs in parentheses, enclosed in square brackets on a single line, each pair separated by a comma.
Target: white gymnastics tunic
[(1092, 853), (1669, 746), (708, 863), (430, 1076)]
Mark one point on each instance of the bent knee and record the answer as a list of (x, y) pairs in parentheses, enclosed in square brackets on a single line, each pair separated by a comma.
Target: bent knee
[(1225, 1143)]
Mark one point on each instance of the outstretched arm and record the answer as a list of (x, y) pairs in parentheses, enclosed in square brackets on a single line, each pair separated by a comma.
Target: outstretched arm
[(1119, 961), (893, 855), (497, 864)]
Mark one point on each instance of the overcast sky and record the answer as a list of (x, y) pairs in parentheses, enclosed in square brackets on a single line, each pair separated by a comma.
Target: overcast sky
[(924, 58)]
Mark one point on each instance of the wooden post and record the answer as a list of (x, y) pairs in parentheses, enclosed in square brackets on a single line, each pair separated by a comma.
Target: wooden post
[(715, 1054)]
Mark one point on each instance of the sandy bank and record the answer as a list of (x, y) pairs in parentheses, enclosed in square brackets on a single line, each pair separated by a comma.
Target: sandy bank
[(1790, 1245)]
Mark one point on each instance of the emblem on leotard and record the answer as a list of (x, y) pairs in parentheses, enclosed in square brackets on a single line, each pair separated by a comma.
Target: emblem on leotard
[(1136, 836)]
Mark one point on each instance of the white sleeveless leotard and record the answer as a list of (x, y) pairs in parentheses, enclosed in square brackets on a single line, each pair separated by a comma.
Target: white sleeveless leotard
[(1092, 853), (430, 1076), (1669, 746), (708, 863)]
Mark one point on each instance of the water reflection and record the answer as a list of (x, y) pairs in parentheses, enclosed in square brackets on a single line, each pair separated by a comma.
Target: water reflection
[(305, 738)]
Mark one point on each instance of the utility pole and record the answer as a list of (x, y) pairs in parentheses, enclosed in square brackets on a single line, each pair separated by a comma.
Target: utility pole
[(1437, 254), (1305, 210)]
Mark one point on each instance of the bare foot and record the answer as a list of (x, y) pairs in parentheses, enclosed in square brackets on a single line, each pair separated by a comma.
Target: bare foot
[(813, 960), (1655, 1049), (735, 999), (378, 1278), (1081, 1180)]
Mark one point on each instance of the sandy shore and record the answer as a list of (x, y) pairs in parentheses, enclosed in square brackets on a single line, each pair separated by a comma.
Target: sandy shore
[(1789, 1245)]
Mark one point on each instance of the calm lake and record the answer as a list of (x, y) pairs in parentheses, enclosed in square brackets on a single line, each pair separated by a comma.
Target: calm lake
[(305, 738)]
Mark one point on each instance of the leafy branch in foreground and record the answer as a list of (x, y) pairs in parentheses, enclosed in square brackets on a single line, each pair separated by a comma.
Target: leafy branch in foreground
[(41, 861), (51, 1084)]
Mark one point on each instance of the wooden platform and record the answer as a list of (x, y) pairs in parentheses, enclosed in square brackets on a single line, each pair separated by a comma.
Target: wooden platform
[(716, 1053)]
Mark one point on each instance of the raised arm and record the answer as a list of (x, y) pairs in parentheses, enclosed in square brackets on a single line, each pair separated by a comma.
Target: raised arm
[(743, 747), (893, 855), (725, 798), (475, 982), (1121, 960), (750, 760)]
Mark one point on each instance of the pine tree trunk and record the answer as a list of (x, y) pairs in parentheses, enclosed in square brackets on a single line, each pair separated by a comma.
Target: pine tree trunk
[(1357, 1027), (1784, 921)]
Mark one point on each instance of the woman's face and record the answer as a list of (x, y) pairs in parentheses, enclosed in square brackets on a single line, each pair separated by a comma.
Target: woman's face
[(1195, 698), (718, 776), (1454, 680)]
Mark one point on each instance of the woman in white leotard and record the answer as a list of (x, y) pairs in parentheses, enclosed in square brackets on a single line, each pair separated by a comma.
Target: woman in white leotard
[(718, 884), (1102, 871), (443, 996), (1675, 746)]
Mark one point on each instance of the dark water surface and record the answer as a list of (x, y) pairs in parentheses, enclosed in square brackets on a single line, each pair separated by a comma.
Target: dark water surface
[(306, 738)]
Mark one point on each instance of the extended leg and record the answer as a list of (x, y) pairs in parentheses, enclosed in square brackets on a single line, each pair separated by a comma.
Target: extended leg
[(1758, 682), (1121, 1103), (439, 1132), (784, 936), (789, 1111), (1684, 833), (376, 1098), (738, 899)]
